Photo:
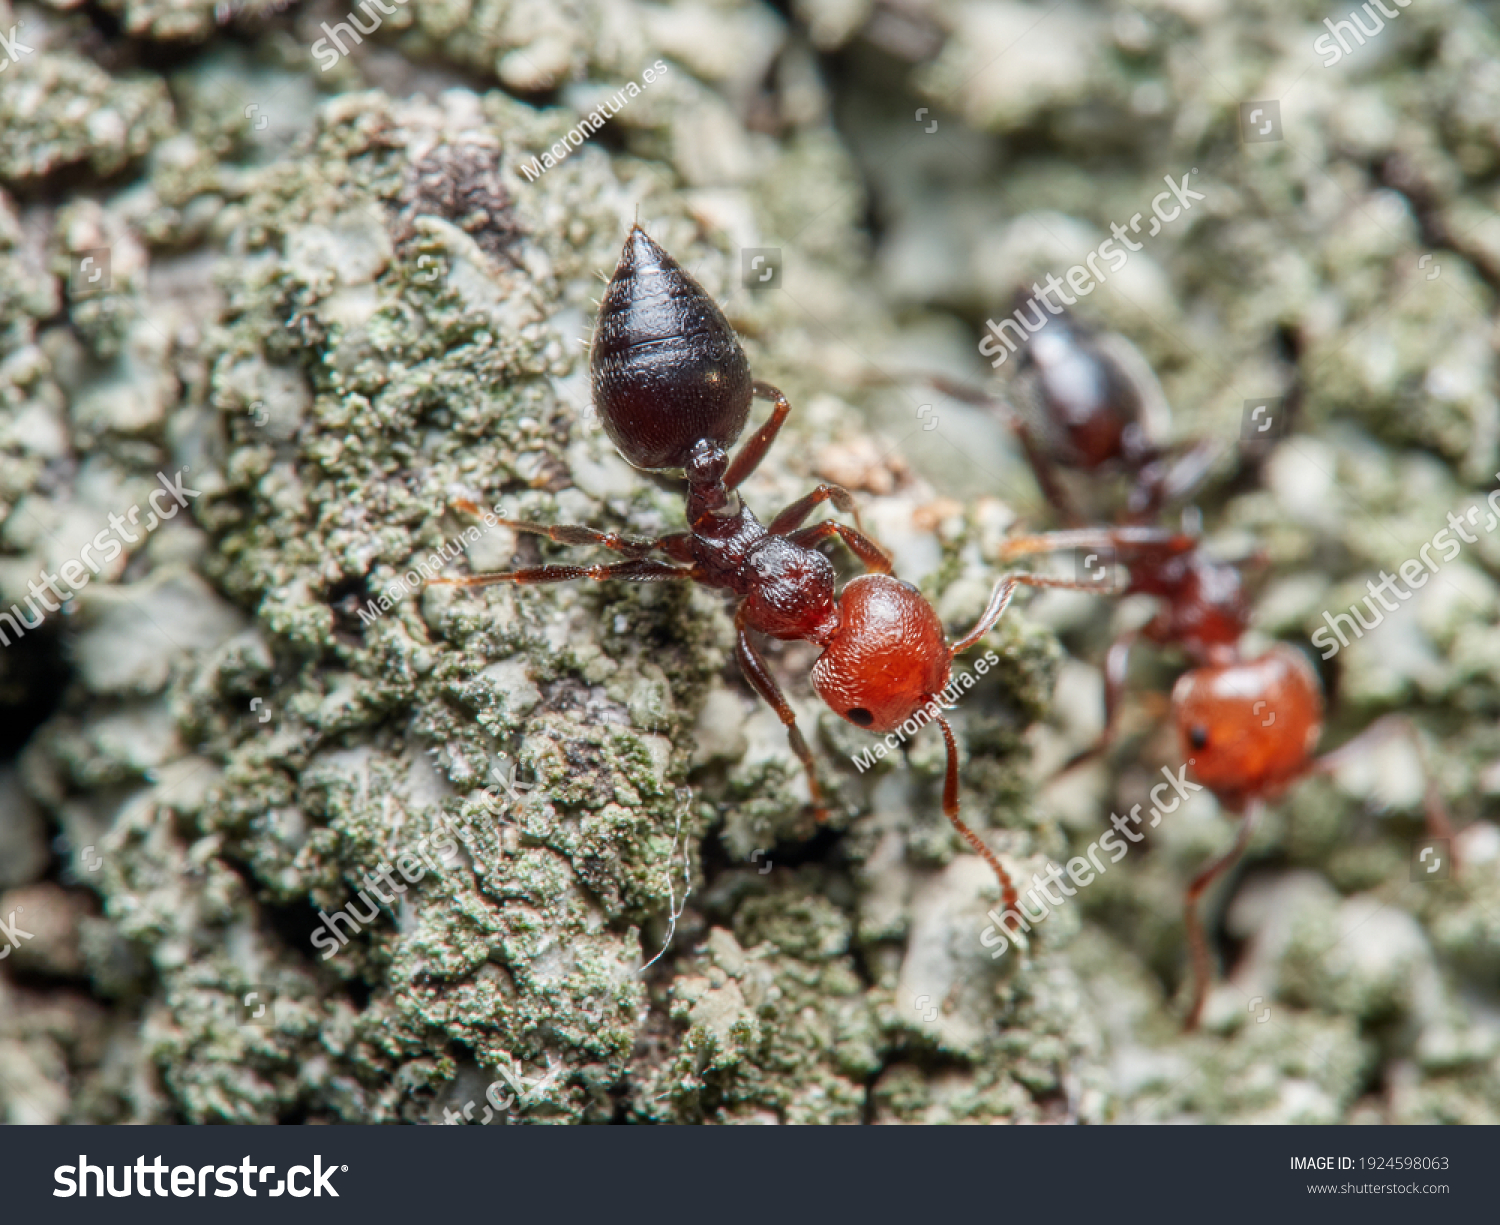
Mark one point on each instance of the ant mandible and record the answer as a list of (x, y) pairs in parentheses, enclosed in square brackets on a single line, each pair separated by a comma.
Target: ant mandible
[(673, 390)]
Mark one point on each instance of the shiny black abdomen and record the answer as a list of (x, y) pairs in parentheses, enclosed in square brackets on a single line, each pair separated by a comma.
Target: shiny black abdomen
[(667, 369)]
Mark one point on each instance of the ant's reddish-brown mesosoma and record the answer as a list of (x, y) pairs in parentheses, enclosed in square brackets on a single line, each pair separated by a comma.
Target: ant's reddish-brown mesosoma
[(672, 387)]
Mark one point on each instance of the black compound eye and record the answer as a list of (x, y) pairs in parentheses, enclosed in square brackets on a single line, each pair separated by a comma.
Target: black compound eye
[(860, 716), (1198, 737)]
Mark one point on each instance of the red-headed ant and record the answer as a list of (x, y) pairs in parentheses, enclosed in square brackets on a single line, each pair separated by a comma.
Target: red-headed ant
[(672, 386), (1248, 728)]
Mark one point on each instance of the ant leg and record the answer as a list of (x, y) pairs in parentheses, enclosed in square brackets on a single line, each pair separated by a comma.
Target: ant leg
[(1005, 591), (796, 514), (563, 533), (1197, 941), (636, 570), (1041, 467), (950, 810), (761, 680), (748, 458), (1171, 480), (1435, 810), (1116, 665), (678, 546), (1117, 538), (874, 557)]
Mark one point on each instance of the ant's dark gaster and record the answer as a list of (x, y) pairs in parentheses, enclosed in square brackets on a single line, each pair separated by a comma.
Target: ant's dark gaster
[(673, 389)]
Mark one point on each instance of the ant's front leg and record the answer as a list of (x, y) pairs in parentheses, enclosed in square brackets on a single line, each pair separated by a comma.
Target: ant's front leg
[(749, 456), (761, 680), (1117, 539), (874, 557), (796, 514), (566, 533), (1005, 591)]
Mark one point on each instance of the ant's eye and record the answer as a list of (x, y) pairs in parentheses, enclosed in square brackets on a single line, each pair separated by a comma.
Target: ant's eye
[(1198, 737), (860, 716)]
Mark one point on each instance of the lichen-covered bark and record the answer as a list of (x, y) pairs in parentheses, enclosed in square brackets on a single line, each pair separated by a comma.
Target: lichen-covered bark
[(339, 324)]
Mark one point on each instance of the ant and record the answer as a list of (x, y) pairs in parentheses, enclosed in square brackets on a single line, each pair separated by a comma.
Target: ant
[(673, 389), (1245, 757), (1094, 407)]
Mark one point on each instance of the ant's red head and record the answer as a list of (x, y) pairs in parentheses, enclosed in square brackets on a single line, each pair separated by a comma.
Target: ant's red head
[(887, 659), (666, 367), (1250, 728)]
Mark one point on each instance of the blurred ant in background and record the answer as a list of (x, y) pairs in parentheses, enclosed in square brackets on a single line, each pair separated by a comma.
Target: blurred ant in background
[(1248, 728), (673, 390)]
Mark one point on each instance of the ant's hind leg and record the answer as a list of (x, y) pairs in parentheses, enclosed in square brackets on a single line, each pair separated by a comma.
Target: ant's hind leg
[(874, 557), (796, 514), (748, 458), (761, 680), (1197, 940), (637, 570)]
